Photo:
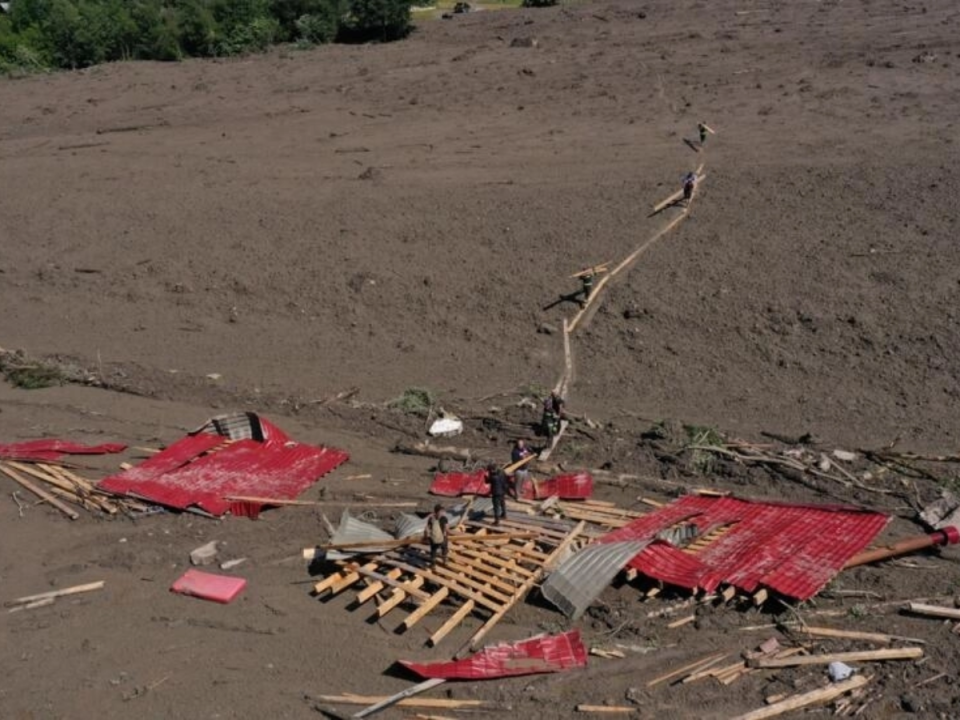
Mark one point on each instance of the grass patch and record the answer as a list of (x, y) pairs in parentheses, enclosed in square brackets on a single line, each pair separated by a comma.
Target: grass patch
[(33, 377), (414, 401), (703, 461)]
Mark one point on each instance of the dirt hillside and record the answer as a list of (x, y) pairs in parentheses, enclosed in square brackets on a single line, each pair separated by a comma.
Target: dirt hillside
[(265, 232)]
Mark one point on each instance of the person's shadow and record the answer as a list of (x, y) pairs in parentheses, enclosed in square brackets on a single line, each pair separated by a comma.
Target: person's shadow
[(693, 145), (575, 297)]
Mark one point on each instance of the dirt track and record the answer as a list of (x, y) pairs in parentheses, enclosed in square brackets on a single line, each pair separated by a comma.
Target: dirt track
[(387, 217)]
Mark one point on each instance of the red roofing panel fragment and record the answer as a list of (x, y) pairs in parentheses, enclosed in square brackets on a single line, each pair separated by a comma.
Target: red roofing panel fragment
[(205, 468), (793, 549), (52, 450), (540, 654), (219, 588), (571, 486)]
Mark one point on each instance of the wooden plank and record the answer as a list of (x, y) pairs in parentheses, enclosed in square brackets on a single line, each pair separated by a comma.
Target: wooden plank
[(376, 586), (445, 582), (39, 492), (558, 553), (459, 616), (329, 581), (425, 608), (507, 569), (54, 594), (405, 586), (606, 709), (545, 453), (436, 703), (387, 544), (397, 597), (596, 269), (879, 638), (594, 294), (394, 699), (479, 571), (934, 611), (691, 668), (814, 697), (907, 653)]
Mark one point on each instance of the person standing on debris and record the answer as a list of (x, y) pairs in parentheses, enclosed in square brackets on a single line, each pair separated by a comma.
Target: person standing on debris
[(586, 290), (499, 487), (689, 183), (437, 533), (552, 414), (521, 475)]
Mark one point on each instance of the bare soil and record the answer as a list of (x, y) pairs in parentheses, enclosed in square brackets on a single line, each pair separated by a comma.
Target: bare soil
[(383, 217)]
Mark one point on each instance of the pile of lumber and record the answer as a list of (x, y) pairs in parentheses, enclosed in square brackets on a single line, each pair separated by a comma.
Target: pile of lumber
[(63, 489)]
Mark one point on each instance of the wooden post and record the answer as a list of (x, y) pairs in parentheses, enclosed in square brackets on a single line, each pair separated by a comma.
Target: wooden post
[(53, 594), (907, 653)]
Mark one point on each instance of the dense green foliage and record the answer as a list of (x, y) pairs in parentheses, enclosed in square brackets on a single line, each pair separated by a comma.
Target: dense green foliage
[(539, 3), (77, 33)]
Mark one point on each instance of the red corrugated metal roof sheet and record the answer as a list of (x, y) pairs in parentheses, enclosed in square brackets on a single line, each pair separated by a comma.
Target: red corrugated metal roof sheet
[(792, 549), (51, 450), (205, 468), (571, 486), (540, 654)]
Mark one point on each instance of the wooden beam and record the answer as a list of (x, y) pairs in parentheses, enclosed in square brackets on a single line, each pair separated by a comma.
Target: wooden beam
[(907, 653), (814, 697), (608, 709), (405, 586), (39, 492), (376, 586), (458, 617), (879, 638), (602, 267), (397, 597), (418, 540), (394, 699), (934, 611), (425, 608), (436, 703), (691, 668), (54, 594)]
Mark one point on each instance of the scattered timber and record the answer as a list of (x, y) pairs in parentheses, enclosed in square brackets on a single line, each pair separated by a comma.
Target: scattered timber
[(814, 697)]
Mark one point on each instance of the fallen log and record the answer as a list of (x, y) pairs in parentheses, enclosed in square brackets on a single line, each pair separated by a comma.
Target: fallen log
[(907, 653), (814, 697), (440, 452)]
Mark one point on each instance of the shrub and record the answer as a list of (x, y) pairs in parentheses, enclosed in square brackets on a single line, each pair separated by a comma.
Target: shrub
[(539, 3), (382, 20), (414, 401)]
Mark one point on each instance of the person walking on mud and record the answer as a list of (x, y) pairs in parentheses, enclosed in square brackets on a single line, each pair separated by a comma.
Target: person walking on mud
[(437, 533), (702, 129), (586, 290), (499, 487), (689, 183)]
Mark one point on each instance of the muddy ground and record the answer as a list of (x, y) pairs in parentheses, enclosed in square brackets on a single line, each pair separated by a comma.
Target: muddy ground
[(302, 223)]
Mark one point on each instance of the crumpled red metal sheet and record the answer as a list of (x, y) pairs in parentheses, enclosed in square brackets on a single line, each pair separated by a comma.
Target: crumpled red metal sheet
[(570, 486), (53, 450), (540, 654), (205, 468), (792, 549)]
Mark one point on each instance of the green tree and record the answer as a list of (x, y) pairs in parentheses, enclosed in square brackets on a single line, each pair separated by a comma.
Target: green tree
[(197, 28), (382, 20)]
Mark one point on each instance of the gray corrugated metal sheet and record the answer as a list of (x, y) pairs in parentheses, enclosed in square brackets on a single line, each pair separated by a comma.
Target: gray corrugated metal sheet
[(352, 530), (574, 585), (412, 525)]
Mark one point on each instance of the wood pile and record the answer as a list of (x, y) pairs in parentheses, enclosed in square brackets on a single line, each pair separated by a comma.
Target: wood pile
[(63, 489)]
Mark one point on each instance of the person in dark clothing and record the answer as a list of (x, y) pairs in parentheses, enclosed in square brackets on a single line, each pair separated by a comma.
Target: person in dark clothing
[(552, 414), (702, 128), (436, 532), (587, 282), (689, 183), (499, 487)]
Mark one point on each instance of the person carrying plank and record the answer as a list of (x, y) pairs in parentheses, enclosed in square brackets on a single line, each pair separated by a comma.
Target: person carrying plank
[(702, 129), (437, 532), (587, 282), (521, 475), (499, 487)]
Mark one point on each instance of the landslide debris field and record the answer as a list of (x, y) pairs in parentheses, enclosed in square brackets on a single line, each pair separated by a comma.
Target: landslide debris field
[(308, 234)]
